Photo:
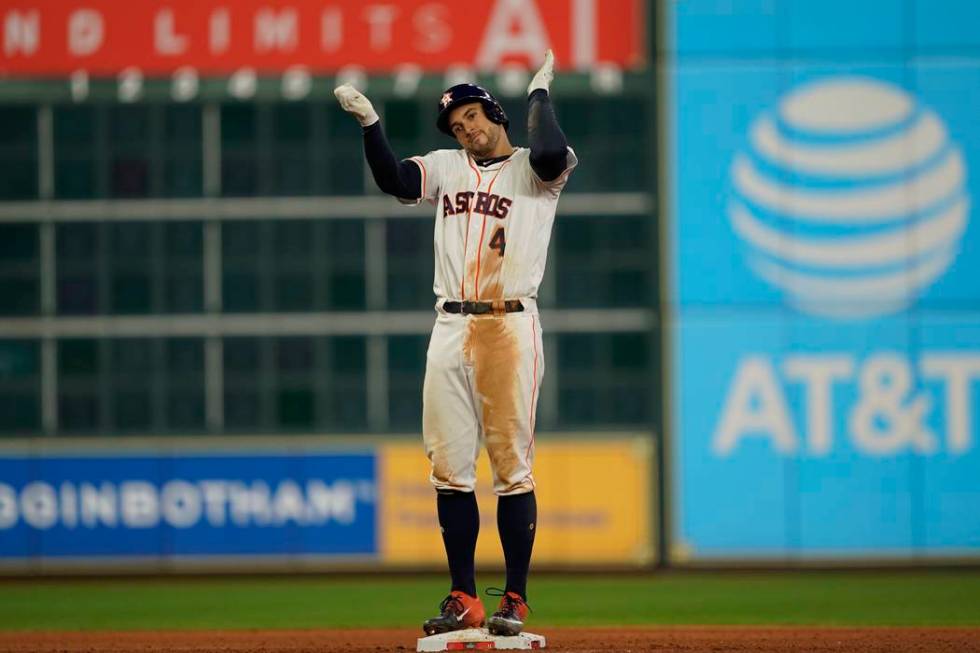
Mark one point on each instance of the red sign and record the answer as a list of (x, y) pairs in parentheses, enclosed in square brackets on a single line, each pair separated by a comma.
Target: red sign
[(217, 37)]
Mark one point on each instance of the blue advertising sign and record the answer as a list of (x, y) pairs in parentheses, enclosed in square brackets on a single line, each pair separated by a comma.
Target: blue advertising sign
[(826, 270), (170, 505), (840, 29)]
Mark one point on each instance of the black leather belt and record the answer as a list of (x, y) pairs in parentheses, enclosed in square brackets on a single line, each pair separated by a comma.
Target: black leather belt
[(482, 308)]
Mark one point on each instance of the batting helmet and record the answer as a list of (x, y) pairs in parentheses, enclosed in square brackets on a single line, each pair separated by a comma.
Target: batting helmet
[(464, 94)]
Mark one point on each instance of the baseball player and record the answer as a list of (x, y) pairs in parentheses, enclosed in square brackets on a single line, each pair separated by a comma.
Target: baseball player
[(495, 205)]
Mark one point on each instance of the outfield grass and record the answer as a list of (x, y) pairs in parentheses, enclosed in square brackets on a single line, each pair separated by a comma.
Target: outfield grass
[(819, 598)]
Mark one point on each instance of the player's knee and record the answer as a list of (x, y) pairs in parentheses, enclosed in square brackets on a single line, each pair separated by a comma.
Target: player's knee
[(517, 483), (444, 483)]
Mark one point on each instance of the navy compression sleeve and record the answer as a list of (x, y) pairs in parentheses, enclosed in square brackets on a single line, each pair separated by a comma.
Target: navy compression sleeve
[(549, 148), (399, 178)]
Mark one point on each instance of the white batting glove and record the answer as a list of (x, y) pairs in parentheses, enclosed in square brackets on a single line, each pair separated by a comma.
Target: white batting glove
[(542, 78), (356, 103)]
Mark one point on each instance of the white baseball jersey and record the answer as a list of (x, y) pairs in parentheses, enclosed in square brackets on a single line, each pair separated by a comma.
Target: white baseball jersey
[(483, 372), (493, 223)]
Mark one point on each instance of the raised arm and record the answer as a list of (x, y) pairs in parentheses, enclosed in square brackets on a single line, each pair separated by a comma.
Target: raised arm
[(403, 179), (549, 148)]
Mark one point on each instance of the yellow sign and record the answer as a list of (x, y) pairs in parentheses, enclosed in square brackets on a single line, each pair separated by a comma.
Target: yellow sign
[(594, 504)]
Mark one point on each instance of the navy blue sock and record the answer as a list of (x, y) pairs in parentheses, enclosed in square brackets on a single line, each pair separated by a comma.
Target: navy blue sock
[(517, 517), (459, 518)]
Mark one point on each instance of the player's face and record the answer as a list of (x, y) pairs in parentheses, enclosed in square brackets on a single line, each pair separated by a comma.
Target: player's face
[(475, 132)]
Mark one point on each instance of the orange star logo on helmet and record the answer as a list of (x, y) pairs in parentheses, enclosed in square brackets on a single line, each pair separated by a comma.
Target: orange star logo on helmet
[(446, 99)]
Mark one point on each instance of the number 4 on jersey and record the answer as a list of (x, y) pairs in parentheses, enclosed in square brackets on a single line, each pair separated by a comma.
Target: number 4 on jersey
[(498, 242)]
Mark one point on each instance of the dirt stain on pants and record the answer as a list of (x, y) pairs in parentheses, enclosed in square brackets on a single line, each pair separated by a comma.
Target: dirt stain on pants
[(493, 350)]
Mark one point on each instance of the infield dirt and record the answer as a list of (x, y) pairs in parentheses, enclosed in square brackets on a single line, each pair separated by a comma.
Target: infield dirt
[(715, 639)]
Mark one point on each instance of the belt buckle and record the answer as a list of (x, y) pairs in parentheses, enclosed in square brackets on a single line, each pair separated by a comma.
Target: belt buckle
[(499, 307)]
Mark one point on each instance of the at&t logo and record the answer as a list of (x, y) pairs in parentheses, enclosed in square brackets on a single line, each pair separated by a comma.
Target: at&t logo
[(851, 198)]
